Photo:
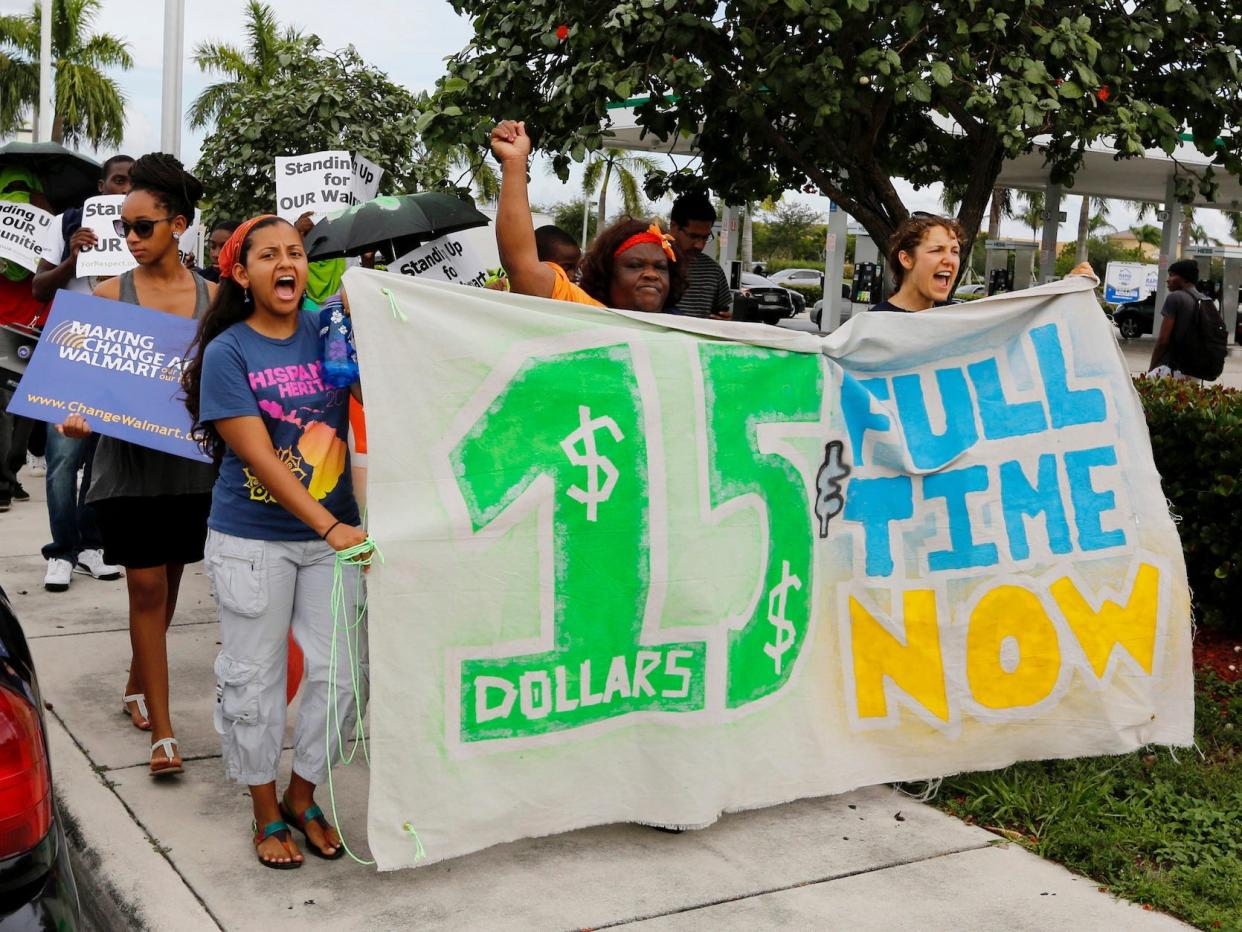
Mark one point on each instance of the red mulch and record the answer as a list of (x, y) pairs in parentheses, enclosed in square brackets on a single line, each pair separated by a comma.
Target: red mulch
[(1219, 651)]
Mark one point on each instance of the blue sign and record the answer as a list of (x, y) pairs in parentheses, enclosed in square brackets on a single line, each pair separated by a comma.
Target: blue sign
[(118, 366)]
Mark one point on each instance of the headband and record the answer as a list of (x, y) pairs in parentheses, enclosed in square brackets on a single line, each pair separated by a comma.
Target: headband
[(230, 253), (653, 234)]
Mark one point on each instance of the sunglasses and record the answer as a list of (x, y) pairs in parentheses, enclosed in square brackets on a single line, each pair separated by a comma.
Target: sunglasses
[(144, 228)]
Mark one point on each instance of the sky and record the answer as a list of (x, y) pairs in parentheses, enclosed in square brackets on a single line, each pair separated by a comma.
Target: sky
[(413, 57)]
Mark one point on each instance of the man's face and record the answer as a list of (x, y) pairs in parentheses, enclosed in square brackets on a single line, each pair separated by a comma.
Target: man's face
[(1176, 282), (692, 237), (567, 256), (215, 243), (117, 181)]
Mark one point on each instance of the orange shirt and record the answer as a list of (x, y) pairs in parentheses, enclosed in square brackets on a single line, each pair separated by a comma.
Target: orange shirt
[(565, 290)]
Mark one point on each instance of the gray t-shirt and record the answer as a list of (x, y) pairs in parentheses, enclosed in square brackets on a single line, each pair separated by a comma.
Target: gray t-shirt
[(126, 470), (1177, 306), (708, 292)]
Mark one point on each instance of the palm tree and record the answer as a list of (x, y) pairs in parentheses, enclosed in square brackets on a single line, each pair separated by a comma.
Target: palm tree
[(1032, 214), (1146, 234), (253, 66), (1001, 206), (89, 105), (1235, 225), (599, 172), (1088, 223)]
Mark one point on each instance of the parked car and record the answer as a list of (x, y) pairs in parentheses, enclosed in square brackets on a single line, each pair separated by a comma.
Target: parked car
[(37, 889), (787, 277), (971, 291), (847, 307), (1136, 318), (761, 299)]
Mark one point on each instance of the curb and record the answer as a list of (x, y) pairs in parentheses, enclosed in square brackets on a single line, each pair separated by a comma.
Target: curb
[(124, 882)]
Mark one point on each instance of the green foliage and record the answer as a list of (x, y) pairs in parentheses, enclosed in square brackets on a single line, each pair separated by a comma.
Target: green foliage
[(90, 107), (317, 101), (1196, 438), (792, 231), (812, 293), (849, 94), (1161, 829), (568, 216), (1100, 251)]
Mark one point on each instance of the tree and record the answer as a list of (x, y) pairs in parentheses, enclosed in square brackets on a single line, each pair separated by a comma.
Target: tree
[(90, 107), (1086, 220), (316, 101), (848, 95), (598, 176), (570, 216), (268, 50), (1146, 234), (1234, 219), (1032, 214), (793, 231)]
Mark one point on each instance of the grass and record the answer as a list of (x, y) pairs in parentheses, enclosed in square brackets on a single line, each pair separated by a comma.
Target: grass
[(1159, 828)]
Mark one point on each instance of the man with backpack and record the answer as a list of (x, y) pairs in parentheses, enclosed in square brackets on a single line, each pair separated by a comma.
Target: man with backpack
[(1192, 340)]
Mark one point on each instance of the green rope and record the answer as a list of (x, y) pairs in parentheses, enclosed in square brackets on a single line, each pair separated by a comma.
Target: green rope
[(397, 313)]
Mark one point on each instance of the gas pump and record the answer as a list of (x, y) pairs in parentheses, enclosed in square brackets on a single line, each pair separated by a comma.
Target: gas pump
[(867, 287), (1225, 289), (1000, 281), (1015, 259)]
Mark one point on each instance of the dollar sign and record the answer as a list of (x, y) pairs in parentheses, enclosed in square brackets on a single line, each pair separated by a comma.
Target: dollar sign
[(595, 493), (776, 616), (829, 501)]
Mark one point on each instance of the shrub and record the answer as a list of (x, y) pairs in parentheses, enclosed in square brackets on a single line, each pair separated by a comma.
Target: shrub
[(1197, 443), (812, 293)]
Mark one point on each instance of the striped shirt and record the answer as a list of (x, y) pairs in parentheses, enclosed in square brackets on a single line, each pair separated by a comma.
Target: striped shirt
[(708, 292)]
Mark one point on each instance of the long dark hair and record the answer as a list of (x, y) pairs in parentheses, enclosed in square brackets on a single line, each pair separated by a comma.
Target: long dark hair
[(596, 266), (231, 305)]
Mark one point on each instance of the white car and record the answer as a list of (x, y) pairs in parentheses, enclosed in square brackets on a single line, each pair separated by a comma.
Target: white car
[(971, 291), (847, 307), (788, 277)]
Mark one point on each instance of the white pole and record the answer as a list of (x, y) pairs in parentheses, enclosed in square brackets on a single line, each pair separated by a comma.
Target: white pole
[(174, 53), (47, 107), (834, 268), (1168, 241)]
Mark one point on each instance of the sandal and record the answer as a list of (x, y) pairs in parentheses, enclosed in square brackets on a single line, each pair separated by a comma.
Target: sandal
[(172, 762), (312, 813), (141, 700), (280, 832)]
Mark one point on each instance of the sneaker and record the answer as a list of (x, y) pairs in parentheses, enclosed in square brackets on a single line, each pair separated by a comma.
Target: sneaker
[(36, 464), (91, 562), (20, 494), (6, 503), (59, 572)]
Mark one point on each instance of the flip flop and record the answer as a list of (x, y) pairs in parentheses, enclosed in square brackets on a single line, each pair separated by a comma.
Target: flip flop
[(312, 814), (279, 831), (169, 768), (141, 700)]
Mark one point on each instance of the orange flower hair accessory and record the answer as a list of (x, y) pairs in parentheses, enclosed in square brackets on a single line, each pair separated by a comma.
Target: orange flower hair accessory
[(653, 234), (231, 250)]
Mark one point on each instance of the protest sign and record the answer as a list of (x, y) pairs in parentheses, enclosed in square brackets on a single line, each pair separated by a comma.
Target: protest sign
[(110, 255), (323, 182), (118, 365), (23, 228), (646, 568), (1125, 282), (455, 258)]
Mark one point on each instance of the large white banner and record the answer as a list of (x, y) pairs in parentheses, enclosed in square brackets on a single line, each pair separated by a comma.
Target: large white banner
[(23, 230), (653, 569)]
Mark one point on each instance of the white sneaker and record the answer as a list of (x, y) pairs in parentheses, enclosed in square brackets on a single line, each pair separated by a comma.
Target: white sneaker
[(92, 562), (59, 572), (36, 464)]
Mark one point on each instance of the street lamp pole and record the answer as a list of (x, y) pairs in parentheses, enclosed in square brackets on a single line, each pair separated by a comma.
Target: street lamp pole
[(46, 107), (174, 53)]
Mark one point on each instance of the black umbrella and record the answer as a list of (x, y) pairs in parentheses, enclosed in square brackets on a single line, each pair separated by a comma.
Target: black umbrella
[(403, 222), (68, 177)]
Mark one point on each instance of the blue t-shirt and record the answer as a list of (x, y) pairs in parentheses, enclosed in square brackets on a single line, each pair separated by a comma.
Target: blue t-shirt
[(246, 373)]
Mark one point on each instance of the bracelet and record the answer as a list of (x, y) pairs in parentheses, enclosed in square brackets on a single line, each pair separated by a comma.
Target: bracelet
[(324, 535)]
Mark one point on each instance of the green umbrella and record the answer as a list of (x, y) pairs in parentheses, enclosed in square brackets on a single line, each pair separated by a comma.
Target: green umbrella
[(403, 222), (68, 177)]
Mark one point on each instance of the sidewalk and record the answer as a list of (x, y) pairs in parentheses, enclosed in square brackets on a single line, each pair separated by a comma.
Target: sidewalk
[(177, 855)]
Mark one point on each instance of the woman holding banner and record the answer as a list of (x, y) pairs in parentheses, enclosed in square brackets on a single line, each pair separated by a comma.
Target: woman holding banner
[(283, 514), (631, 264), (151, 506)]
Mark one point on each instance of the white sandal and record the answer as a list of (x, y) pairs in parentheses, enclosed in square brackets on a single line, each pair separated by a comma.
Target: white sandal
[(141, 699), (167, 745)]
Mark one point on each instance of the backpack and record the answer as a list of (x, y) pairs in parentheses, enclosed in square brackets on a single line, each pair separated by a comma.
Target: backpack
[(1201, 342)]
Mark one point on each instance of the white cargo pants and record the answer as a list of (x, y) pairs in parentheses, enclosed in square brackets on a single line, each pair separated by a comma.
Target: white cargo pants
[(263, 588)]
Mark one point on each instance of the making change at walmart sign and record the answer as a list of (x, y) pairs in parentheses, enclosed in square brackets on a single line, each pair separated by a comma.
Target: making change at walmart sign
[(643, 568), (115, 364)]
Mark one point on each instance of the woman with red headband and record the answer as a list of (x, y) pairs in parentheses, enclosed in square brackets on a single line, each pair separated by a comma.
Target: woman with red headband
[(282, 507), (151, 506), (631, 265)]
